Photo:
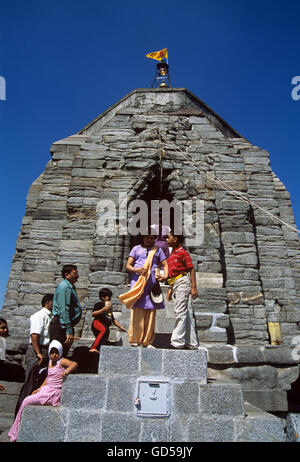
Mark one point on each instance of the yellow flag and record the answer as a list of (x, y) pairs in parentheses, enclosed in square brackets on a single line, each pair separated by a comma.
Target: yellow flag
[(158, 55)]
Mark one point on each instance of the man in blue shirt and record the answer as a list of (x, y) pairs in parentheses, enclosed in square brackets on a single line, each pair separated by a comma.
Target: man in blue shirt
[(66, 309)]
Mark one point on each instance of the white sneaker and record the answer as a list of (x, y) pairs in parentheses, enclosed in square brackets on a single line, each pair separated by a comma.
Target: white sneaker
[(134, 344), (151, 347)]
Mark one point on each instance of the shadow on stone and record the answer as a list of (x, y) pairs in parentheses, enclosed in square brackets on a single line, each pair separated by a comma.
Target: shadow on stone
[(162, 341), (87, 361)]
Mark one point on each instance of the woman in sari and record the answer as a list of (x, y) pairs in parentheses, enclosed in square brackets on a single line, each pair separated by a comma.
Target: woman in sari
[(143, 262)]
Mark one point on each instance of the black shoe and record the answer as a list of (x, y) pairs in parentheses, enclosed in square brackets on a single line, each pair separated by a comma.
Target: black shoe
[(177, 348), (191, 347)]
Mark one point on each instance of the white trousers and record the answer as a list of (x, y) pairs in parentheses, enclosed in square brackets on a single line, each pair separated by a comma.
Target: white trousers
[(183, 332)]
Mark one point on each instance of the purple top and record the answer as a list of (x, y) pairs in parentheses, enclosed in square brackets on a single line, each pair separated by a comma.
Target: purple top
[(161, 239), (164, 230), (140, 253)]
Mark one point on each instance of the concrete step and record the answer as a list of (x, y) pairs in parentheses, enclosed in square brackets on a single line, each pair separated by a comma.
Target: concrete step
[(94, 425), (259, 426), (293, 427), (6, 421), (91, 405)]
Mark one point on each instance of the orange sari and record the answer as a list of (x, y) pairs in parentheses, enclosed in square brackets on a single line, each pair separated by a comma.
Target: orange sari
[(130, 297)]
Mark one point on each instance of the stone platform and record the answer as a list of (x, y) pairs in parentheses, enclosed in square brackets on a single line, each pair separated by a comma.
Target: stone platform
[(101, 408)]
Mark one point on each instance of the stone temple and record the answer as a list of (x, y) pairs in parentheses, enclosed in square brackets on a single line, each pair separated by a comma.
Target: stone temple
[(168, 144)]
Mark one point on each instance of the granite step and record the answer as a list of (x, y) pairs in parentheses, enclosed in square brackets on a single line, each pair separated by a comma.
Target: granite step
[(91, 405)]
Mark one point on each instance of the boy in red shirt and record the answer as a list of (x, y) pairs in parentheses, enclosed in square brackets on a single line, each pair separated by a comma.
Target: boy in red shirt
[(182, 281)]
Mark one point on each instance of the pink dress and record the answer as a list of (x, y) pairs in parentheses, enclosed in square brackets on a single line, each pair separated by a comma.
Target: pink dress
[(49, 394)]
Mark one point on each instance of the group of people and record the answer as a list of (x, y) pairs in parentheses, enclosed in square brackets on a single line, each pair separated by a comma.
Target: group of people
[(52, 328), (149, 266)]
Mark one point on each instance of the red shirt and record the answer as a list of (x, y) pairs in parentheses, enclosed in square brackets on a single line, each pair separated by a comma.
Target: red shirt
[(179, 262)]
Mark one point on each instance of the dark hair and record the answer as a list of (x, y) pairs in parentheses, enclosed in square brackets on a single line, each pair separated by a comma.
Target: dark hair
[(67, 270), (179, 237), (5, 322), (104, 293), (47, 298), (149, 233), (54, 348)]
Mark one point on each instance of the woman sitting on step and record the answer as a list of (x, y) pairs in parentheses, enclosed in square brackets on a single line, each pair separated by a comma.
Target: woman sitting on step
[(50, 391)]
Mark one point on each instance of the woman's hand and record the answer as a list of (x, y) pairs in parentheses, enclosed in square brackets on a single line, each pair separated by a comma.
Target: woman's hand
[(140, 271), (162, 278)]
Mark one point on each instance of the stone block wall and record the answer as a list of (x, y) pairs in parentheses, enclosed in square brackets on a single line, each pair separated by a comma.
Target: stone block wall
[(166, 142), (101, 408)]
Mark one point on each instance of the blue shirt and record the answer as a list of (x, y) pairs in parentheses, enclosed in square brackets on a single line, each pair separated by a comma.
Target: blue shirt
[(67, 306)]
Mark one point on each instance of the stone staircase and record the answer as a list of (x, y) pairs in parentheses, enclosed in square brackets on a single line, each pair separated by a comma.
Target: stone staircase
[(189, 404), (8, 401), (207, 313), (177, 403)]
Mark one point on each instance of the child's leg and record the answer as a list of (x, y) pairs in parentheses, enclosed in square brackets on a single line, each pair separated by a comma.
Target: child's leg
[(181, 294), (13, 432), (101, 329), (191, 337)]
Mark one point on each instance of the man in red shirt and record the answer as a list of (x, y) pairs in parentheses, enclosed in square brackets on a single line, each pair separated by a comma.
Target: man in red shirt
[(182, 281)]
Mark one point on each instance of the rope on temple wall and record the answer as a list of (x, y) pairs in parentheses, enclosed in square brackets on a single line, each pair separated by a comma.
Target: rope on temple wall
[(237, 194)]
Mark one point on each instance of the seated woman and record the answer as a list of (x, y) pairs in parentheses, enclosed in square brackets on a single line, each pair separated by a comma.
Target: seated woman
[(49, 392)]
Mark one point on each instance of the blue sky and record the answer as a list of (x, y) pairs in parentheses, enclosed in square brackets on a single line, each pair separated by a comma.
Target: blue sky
[(64, 62)]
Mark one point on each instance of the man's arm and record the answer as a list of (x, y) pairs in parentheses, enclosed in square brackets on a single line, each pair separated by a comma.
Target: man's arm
[(107, 307), (166, 271), (36, 328), (117, 324), (35, 341), (194, 290), (64, 300)]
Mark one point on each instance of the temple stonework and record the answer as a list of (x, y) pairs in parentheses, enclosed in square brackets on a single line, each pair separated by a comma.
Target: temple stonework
[(167, 143)]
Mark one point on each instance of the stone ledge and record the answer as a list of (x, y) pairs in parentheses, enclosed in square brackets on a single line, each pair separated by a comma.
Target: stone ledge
[(249, 354), (269, 400), (72, 140), (293, 427), (258, 426), (50, 422), (90, 386), (221, 399), (174, 364)]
